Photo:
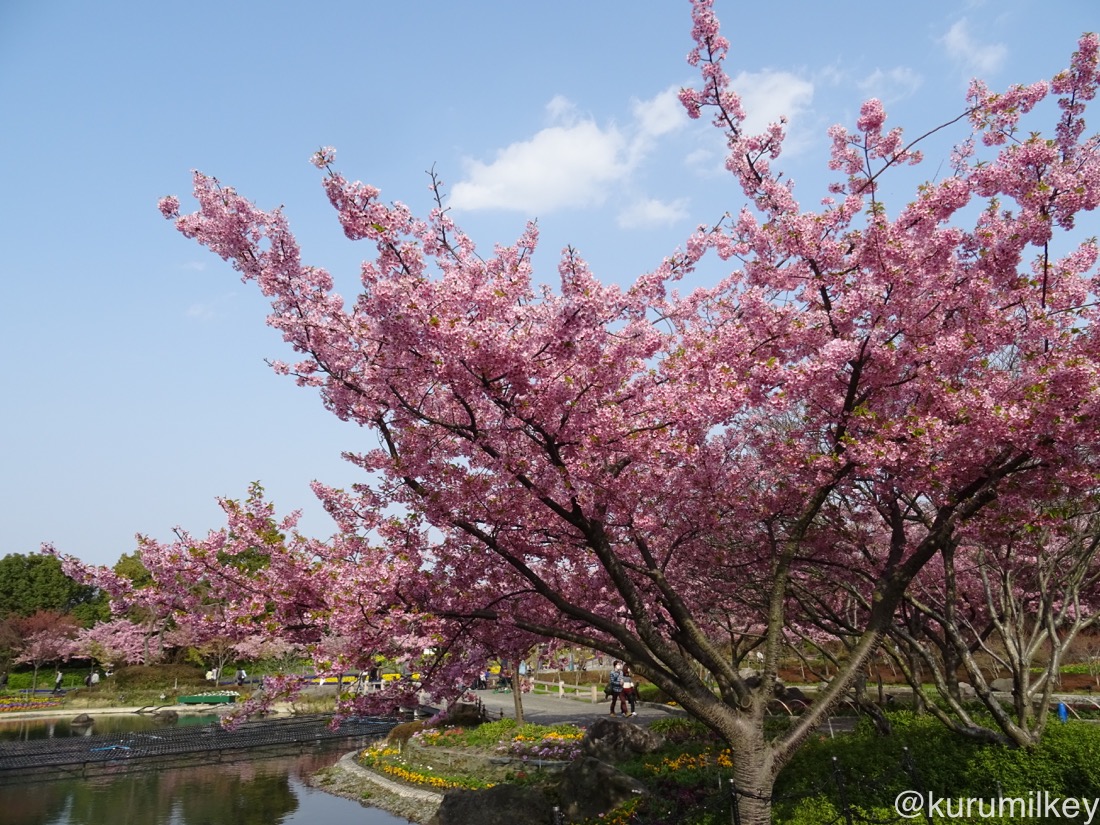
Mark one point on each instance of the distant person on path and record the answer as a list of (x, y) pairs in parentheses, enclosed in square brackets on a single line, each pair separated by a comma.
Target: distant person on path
[(615, 685), (630, 692), (59, 677), (95, 677), (241, 676)]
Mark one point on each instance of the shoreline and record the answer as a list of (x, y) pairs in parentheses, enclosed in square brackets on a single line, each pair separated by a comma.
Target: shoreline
[(143, 710), (350, 780)]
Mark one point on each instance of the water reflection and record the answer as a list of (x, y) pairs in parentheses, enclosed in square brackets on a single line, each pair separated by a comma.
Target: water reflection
[(254, 792), (49, 728)]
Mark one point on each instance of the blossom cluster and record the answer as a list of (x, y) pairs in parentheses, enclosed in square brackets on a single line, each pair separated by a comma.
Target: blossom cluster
[(862, 391)]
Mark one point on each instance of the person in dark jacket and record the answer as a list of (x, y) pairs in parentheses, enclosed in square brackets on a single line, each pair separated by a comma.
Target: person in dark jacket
[(615, 685)]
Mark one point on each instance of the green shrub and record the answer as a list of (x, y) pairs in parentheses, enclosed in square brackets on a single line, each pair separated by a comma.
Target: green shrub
[(489, 734), (1066, 761), (1076, 748), (652, 693), (923, 755)]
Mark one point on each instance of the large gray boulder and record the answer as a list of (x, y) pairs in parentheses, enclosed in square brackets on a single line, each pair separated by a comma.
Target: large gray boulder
[(612, 740), (499, 805), (590, 788), (1002, 685)]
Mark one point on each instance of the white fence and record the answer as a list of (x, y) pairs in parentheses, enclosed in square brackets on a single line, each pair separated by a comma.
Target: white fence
[(591, 693)]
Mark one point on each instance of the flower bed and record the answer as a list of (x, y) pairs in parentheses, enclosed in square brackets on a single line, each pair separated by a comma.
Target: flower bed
[(556, 745), (390, 761), (10, 704)]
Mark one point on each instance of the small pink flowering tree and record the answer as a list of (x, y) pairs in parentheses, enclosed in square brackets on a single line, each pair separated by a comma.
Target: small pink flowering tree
[(46, 638), (112, 644), (258, 577), (657, 476), (262, 647)]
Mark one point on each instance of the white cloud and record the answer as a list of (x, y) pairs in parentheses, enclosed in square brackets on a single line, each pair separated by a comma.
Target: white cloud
[(893, 85), (562, 166), (649, 213), (661, 114), (572, 163), (767, 96), (561, 111), (976, 57)]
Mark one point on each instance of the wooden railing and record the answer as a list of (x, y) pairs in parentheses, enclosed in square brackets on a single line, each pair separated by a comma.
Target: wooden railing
[(591, 693)]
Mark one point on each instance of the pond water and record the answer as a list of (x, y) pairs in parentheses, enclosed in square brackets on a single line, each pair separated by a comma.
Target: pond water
[(48, 728), (270, 790)]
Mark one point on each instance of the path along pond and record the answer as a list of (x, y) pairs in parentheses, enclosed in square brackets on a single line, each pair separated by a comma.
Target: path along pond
[(261, 785)]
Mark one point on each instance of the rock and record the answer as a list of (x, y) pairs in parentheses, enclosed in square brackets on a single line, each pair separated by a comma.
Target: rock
[(791, 694), (967, 692), (590, 788), (1002, 685), (81, 721), (499, 805), (614, 739)]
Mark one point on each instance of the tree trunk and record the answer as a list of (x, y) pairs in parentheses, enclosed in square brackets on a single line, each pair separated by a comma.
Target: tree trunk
[(517, 699), (751, 791)]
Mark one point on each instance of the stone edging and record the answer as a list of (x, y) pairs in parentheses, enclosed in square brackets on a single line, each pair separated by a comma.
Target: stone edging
[(349, 764)]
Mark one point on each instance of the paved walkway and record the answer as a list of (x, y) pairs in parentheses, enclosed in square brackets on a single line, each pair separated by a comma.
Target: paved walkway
[(540, 708), (547, 709)]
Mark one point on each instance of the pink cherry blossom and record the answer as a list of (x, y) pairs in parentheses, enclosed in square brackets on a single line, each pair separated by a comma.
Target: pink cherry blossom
[(675, 480)]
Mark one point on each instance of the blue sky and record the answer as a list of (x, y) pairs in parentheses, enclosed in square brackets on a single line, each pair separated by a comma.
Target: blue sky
[(135, 389)]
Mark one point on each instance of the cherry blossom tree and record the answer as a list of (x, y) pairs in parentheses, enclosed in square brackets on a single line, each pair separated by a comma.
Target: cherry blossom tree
[(46, 637), (112, 644), (1019, 602), (655, 475)]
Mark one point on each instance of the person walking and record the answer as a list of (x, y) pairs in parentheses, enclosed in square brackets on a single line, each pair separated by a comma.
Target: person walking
[(615, 685), (58, 679), (630, 692)]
